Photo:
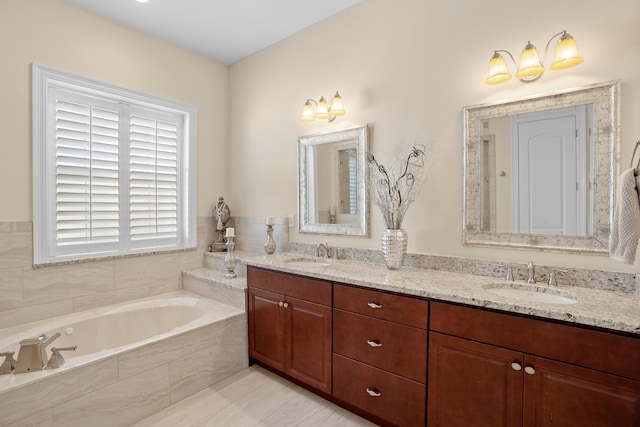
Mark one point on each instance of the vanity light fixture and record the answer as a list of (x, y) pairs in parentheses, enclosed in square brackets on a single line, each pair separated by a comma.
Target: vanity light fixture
[(322, 109), (531, 68)]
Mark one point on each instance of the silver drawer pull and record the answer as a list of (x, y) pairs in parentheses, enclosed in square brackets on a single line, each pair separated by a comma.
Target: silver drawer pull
[(373, 392), (374, 343), (374, 305), (516, 366), (530, 370)]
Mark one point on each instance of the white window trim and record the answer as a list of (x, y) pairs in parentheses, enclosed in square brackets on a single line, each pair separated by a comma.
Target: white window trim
[(44, 77)]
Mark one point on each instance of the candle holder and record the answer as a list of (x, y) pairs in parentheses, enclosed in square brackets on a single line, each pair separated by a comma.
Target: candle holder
[(270, 244), (230, 260)]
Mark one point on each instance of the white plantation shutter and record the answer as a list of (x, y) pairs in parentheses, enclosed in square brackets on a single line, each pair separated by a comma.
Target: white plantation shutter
[(153, 178), (353, 183), (114, 170), (87, 165)]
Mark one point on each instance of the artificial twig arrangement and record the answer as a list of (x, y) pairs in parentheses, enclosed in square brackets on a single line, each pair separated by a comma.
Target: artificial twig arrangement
[(394, 189)]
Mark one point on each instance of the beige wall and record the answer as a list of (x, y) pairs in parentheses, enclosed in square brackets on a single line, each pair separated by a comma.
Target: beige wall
[(58, 34), (407, 68)]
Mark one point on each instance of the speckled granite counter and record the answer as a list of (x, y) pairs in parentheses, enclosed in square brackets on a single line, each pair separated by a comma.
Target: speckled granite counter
[(604, 309)]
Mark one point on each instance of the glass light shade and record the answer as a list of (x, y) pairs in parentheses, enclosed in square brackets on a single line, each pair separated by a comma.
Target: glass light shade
[(530, 67), (307, 113), (322, 110), (566, 53), (498, 72), (337, 107)]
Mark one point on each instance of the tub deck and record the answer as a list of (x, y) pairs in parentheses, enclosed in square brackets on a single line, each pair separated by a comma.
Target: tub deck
[(119, 386)]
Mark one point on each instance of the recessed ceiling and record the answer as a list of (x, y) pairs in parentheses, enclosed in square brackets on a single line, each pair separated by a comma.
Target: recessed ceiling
[(223, 30)]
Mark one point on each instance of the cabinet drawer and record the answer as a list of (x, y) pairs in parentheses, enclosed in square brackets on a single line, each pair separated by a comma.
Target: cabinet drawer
[(607, 352), (305, 288), (406, 310), (385, 395), (393, 347)]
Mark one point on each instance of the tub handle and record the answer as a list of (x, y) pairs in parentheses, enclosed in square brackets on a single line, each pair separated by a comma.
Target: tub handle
[(9, 363), (56, 360)]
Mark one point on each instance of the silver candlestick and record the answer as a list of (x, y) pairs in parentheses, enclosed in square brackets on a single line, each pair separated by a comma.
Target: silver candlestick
[(230, 260)]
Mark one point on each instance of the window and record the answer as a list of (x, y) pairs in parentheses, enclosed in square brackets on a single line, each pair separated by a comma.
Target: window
[(114, 170)]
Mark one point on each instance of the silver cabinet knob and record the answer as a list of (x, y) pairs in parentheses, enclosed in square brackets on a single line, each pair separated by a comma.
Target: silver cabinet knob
[(374, 305), (374, 343), (281, 303), (286, 304), (373, 392), (516, 366), (530, 370)]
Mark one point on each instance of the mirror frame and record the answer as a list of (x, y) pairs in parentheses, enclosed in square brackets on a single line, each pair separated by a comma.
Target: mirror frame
[(606, 101), (306, 184)]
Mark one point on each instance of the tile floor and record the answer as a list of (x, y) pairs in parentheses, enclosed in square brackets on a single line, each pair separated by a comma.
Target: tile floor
[(254, 397)]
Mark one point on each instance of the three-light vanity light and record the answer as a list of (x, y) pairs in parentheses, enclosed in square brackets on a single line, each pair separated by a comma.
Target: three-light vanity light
[(531, 68), (322, 109)]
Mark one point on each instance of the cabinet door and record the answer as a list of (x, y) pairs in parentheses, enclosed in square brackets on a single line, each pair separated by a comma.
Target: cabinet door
[(558, 394), (266, 328), (473, 384), (309, 343)]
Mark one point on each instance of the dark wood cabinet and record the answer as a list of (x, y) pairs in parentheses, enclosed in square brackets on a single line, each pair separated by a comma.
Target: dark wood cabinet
[(380, 354), (404, 361), (472, 384), (497, 382), (290, 325)]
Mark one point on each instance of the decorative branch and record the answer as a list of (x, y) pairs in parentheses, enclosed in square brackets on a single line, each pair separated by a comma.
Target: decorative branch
[(394, 189)]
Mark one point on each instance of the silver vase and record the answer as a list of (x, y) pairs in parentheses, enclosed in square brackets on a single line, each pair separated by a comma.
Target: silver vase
[(394, 247)]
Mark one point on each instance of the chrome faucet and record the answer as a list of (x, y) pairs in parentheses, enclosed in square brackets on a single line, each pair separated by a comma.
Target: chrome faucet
[(33, 353), (531, 276), (324, 249)]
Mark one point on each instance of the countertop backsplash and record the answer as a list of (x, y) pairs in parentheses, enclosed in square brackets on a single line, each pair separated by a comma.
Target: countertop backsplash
[(594, 279)]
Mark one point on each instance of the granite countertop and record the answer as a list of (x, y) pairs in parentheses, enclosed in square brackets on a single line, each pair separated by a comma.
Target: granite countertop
[(603, 309)]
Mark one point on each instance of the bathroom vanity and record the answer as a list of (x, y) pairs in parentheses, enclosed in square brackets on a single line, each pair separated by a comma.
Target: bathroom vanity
[(415, 347)]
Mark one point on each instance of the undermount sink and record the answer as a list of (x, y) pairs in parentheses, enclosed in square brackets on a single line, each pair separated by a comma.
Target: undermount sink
[(308, 262), (532, 293)]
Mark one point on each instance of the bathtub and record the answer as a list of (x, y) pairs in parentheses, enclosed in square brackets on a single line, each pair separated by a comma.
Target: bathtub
[(132, 359)]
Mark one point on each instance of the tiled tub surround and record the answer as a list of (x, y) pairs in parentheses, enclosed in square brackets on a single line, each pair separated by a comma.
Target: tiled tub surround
[(29, 294), (618, 311), (119, 385)]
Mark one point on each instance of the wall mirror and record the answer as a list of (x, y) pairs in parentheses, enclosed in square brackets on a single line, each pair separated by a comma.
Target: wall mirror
[(540, 172), (331, 179)]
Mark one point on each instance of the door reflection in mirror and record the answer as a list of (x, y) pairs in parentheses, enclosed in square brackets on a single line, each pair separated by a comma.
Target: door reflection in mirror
[(537, 172)]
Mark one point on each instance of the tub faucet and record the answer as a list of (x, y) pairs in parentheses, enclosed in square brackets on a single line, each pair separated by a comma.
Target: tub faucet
[(33, 353), (531, 276)]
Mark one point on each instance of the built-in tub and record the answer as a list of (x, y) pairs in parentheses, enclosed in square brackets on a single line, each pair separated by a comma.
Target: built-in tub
[(132, 359)]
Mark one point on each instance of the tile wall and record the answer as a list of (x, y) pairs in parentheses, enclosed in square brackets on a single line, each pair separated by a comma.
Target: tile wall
[(28, 294)]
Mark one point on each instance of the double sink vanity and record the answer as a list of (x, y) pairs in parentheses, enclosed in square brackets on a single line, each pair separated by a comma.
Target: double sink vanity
[(418, 346)]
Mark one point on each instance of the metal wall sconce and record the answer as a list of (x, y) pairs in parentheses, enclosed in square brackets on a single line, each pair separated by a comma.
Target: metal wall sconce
[(531, 67), (322, 109)]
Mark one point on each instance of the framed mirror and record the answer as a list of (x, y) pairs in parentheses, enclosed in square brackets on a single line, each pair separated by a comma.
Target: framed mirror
[(331, 182), (540, 172)]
